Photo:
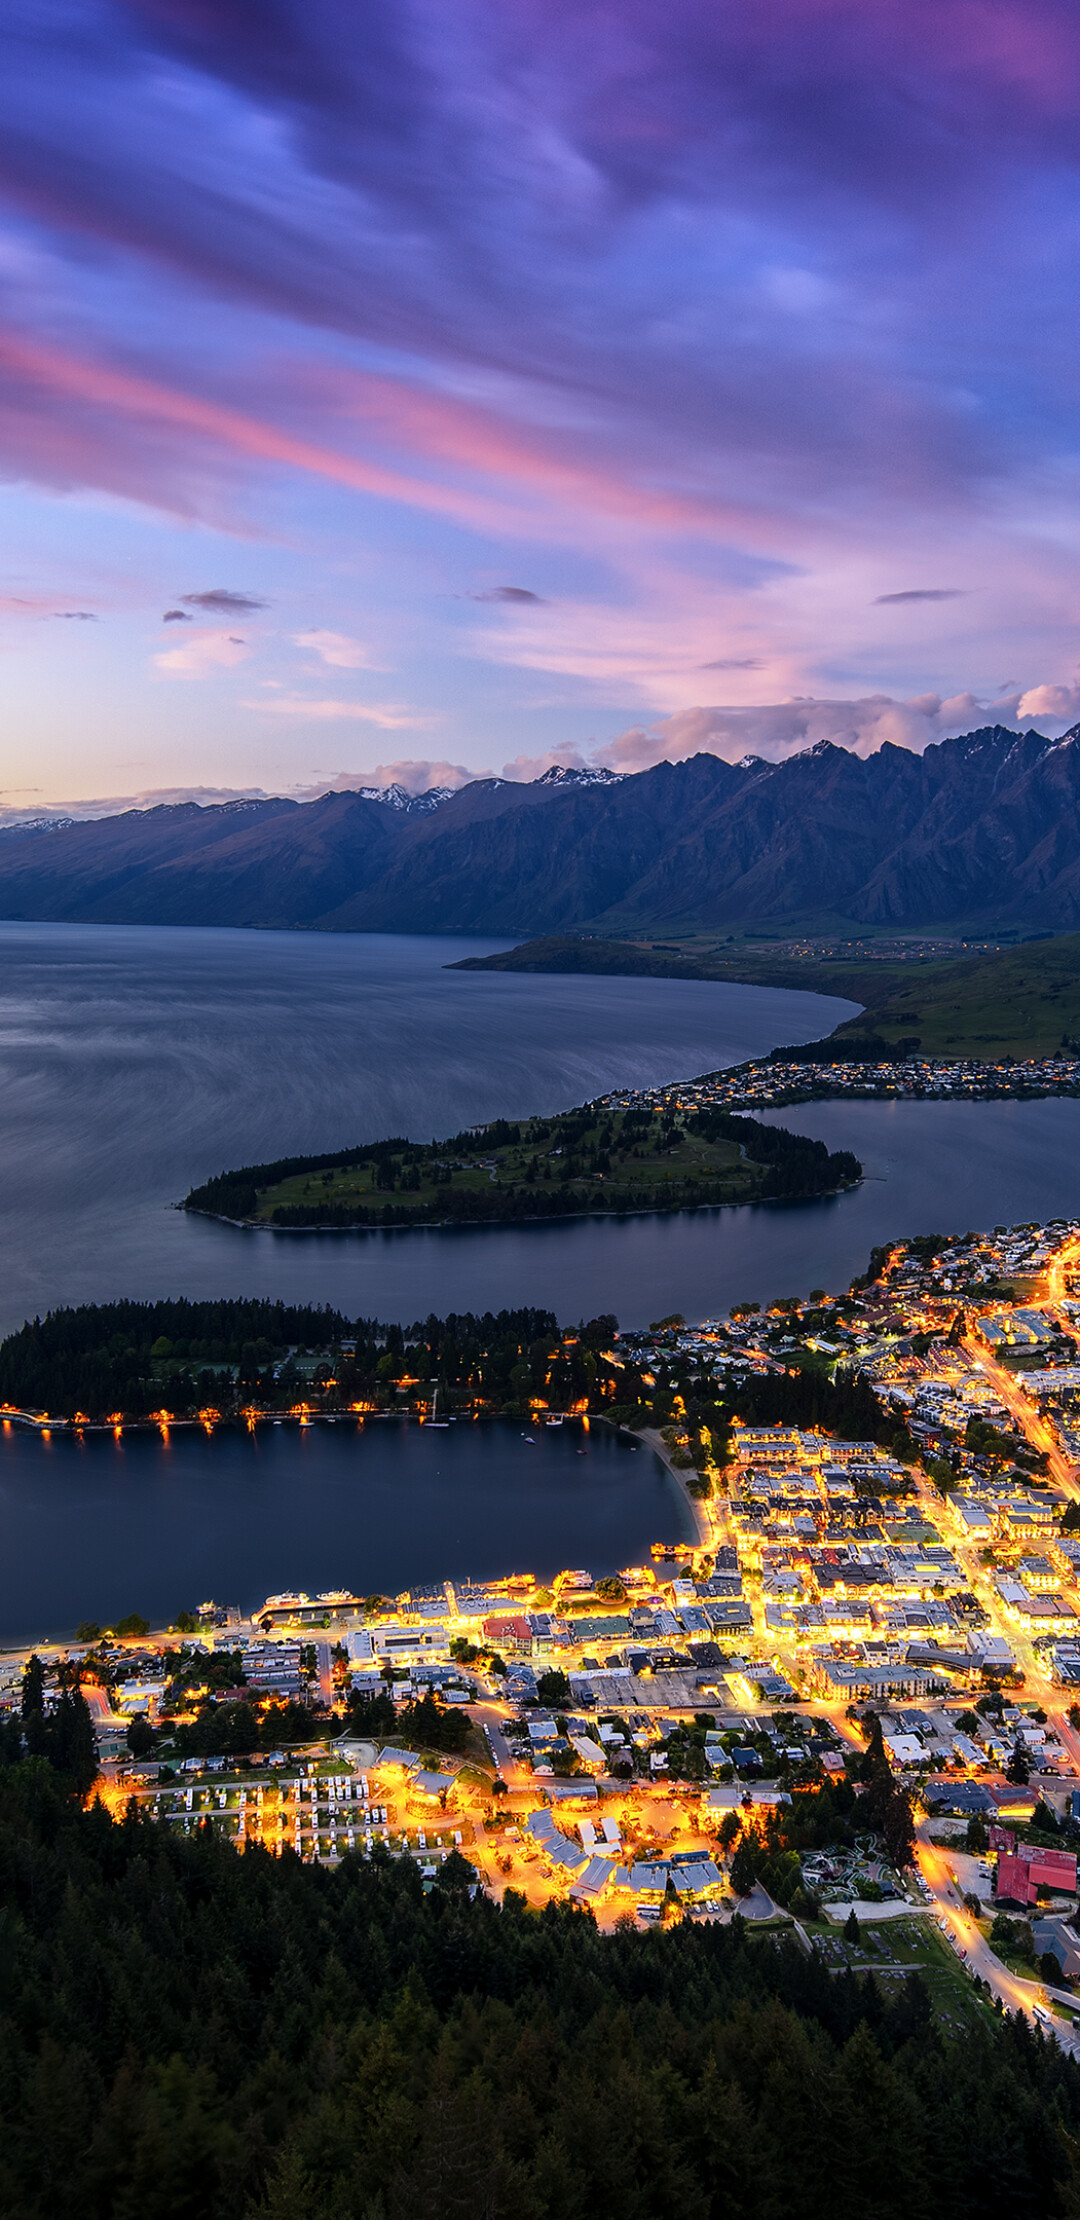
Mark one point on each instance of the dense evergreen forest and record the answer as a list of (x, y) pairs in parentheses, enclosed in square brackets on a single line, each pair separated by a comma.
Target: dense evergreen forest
[(188, 2032), (134, 1358), (137, 1359)]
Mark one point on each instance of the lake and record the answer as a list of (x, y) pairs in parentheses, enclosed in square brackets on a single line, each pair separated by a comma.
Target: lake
[(134, 1062), (95, 1528)]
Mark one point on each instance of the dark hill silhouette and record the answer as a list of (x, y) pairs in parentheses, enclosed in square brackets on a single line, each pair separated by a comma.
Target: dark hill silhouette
[(979, 830)]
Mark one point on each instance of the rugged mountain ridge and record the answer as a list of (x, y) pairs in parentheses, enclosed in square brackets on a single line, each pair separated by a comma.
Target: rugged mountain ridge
[(981, 830)]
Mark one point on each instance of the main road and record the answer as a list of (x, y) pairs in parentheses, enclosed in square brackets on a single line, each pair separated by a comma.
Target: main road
[(962, 1931)]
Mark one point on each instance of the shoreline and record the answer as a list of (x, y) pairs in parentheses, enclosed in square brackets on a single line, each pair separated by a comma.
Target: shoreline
[(703, 1523), (494, 1225)]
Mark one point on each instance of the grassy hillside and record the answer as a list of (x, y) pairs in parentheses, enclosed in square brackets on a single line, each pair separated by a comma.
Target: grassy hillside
[(584, 1160), (1022, 1001)]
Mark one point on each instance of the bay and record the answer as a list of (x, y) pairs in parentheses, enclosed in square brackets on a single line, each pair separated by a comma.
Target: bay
[(136, 1061), (96, 1527)]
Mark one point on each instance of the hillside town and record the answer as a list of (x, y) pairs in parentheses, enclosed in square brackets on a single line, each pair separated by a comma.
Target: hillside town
[(852, 1704)]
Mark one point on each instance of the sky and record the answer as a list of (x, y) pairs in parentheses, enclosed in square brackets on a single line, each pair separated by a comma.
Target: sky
[(469, 385)]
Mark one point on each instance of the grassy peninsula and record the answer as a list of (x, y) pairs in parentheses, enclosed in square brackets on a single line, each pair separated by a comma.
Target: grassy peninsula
[(598, 1158), (993, 1002)]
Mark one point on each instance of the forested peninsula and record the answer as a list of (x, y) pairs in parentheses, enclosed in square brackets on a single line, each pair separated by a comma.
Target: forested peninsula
[(599, 1158), (115, 1362)]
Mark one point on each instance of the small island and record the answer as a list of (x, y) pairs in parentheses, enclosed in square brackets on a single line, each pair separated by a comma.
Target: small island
[(604, 1157)]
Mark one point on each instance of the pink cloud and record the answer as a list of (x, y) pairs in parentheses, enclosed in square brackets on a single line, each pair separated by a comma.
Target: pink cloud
[(529, 767), (201, 653), (777, 729)]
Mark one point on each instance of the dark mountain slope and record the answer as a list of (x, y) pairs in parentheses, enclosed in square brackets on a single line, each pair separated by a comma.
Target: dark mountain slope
[(282, 872), (983, 830), (583, 852), (78, 871)]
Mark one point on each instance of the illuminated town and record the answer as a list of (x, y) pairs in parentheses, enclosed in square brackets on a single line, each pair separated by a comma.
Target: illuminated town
[(786, 1077), (851, 1705)]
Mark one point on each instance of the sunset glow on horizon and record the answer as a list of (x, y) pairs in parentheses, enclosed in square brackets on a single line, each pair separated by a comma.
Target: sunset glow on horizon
[(424, 392)]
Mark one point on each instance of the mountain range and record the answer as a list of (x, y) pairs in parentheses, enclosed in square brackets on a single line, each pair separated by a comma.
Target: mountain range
[(981, 831)]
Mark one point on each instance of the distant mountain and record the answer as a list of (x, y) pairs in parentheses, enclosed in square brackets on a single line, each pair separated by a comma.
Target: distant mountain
[(398, 797), (982, 831)]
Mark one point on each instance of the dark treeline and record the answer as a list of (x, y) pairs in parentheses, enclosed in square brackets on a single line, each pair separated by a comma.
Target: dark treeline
[(105, 1357), (233, 1194), (850, 1048), (141, 1358), (62, 1736), (508, 1205), (797, 1165), (185, 2031), (845, 1405)]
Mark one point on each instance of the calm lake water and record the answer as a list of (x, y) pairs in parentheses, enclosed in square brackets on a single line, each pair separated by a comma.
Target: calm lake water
[(97, 1528), (134, 1062)]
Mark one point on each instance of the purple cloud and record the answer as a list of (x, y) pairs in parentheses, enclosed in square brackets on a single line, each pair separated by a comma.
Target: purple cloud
[(737, 283), (220, 601), (508, 593), (921, 593)]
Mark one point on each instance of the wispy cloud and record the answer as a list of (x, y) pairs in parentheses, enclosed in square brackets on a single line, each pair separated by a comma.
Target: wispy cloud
[(708, 314), (391, 715), (221, 601), (201, 654), (516, 594), (337, 649), (921, 593)]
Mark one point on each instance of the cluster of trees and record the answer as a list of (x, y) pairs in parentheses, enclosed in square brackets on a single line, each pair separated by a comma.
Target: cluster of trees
[(804, 1396), (797, 1165), (187, 2030), (816, 1819), (500, 1358), (885, 1805), (239, 1728), (106, 1357), (60, 1736), (139, 1358), (426, 1724), (845, 1405)]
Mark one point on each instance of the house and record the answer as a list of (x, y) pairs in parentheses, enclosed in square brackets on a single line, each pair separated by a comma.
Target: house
[(737, 1796), (1021, 1874), (433, 1788), (1055, 1938), (592, 1756)]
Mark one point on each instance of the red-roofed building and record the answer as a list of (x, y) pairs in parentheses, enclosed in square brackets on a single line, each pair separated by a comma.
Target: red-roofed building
[(1021, 1874), (513, 1634)]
